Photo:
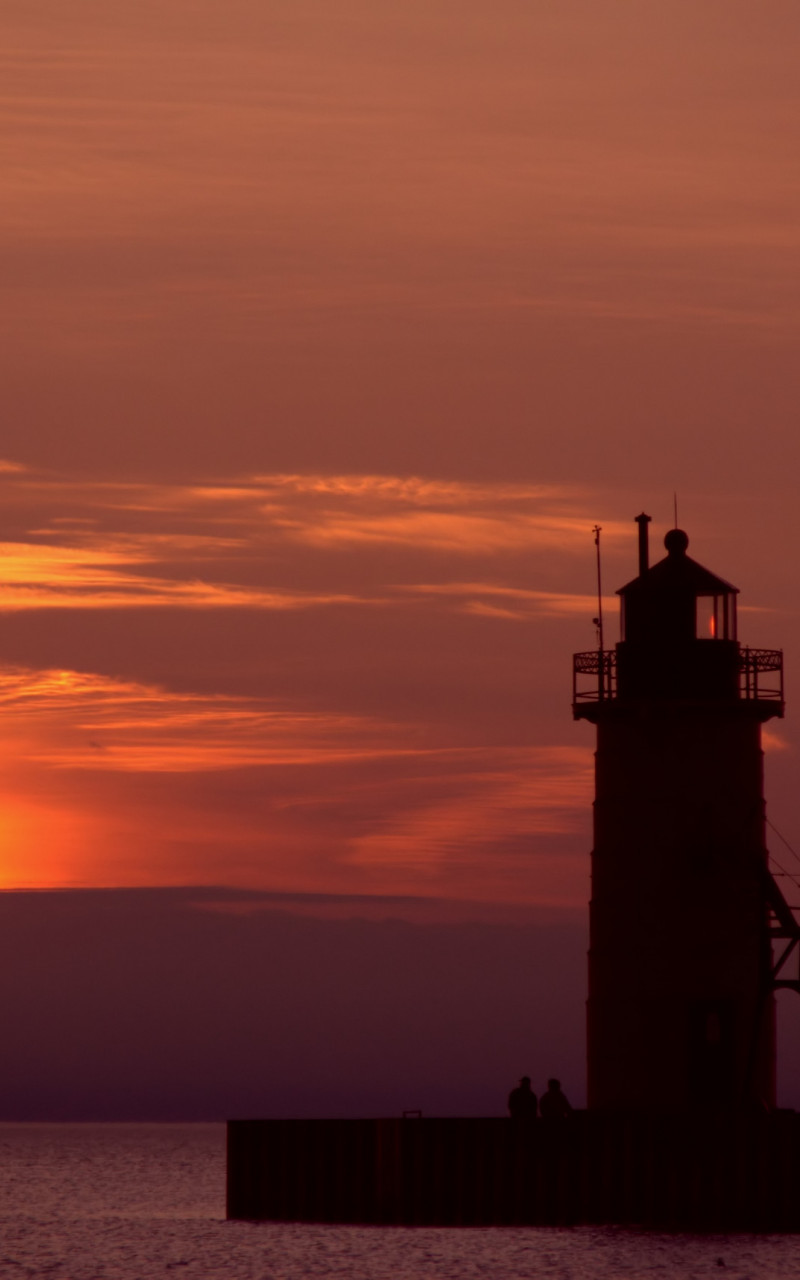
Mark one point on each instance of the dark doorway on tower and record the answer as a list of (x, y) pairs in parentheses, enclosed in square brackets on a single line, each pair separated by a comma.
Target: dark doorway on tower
[(712, 1057)]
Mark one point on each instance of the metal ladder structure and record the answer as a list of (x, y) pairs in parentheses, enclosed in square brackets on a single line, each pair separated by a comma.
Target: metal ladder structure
[(784, 929)]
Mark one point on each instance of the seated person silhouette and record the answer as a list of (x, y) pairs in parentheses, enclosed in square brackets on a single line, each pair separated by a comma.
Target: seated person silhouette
[(553, 1105), (522, 1101)]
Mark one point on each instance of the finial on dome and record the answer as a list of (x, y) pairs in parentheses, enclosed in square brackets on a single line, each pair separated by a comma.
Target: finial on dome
[(676, 542)]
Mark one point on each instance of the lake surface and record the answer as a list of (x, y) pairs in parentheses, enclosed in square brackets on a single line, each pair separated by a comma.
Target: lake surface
[(128, 1202)]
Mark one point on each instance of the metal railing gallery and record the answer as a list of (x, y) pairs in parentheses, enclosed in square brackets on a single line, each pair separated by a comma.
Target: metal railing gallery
[(594, 675)]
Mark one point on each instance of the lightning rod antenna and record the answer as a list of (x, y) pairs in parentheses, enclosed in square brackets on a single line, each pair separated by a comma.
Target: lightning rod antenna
[(599, 619), (675, 507)]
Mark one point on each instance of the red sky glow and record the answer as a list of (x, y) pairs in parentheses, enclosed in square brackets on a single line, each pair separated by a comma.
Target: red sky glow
[(331, 331)]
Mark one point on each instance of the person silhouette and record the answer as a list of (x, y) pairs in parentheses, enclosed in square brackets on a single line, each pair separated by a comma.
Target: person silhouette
[(553, 1105), (522, 1101)]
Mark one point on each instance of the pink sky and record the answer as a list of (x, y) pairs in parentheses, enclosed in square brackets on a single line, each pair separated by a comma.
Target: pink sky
[(330, 333)]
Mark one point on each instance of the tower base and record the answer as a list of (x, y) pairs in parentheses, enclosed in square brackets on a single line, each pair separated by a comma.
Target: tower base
[(689, 1173)]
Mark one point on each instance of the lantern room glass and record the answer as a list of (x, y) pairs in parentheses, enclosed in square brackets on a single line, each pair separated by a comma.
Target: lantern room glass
[(715, 617)]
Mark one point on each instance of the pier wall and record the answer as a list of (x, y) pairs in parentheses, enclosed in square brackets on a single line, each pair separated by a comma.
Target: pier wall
[(702, 1173)]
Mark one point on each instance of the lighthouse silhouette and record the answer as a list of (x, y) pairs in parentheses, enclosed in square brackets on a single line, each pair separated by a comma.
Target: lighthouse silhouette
[(690, 935), (684, 911)]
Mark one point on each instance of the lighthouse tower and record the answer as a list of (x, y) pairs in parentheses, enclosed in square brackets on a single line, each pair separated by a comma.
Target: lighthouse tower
[(683, 909)]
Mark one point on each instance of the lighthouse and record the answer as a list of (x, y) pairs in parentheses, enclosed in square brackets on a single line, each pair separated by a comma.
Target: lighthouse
[(690, 936), (684, 911)]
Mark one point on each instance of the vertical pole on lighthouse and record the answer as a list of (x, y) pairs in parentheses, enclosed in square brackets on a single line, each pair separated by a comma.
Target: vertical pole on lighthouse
[(600, 672)]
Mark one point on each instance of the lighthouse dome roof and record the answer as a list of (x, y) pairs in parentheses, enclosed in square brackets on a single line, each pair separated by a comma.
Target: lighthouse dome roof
[(678, 573)]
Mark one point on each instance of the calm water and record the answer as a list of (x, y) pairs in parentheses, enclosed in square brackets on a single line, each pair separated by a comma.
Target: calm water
[(90, 1202)]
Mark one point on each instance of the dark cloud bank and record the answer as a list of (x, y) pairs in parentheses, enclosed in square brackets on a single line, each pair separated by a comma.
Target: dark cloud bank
[(146, 1004)]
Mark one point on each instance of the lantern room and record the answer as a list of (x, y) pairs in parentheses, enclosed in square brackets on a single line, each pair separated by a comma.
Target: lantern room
[(677, 601), (678, 641)]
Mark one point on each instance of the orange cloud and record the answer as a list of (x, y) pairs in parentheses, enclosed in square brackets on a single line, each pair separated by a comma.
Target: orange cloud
[(361, 803), (77, 720), (411, 490), (541, 790), (438, 530), (212, 546), (480, 597), (39, 576), (412, 511), (336, 799)]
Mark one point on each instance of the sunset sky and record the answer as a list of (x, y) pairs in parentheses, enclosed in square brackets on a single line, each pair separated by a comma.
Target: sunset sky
[(330, 331)]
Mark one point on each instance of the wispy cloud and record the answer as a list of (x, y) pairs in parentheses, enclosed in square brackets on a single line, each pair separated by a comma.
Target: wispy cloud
[(482, 519), (79, 720), (495, 600), (436, 530), (81, 544), (42, 576), (315, 799), (299, 781), (410, 490), (543, 790)]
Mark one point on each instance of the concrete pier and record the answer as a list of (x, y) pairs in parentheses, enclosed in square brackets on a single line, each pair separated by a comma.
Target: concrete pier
[(691, 1173)]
